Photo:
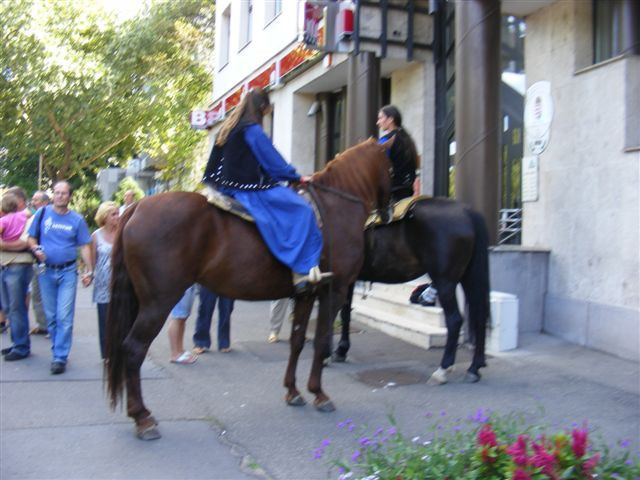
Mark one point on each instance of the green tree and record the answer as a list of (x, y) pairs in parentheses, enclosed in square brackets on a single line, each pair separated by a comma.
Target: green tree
[(127, 183), (84, 91)]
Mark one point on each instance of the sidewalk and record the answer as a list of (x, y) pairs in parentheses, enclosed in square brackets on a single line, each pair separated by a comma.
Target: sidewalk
[(224, 417)]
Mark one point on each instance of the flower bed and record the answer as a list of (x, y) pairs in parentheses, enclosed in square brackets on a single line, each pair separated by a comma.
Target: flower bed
[(482, 446)]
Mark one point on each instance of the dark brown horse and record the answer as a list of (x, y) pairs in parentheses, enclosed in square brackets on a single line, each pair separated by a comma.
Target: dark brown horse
[(170, 241), (449, 241)]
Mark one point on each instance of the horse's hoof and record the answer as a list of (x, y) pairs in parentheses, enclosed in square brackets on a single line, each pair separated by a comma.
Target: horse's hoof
[(338, 357), (439, 377), (297, 401), (149, 433), (325, 406), (472, 377)]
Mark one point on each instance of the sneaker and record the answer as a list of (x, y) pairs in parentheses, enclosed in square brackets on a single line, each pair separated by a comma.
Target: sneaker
[(273, 337), (4, 327), (13, 356), (428, 297), (57, 368), (6, 350), (37, 331)]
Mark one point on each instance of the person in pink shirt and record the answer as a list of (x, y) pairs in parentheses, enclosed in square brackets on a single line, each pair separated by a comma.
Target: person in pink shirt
[(12, 222)]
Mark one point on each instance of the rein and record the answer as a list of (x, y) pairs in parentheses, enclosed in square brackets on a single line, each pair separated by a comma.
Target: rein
[(335, 191)]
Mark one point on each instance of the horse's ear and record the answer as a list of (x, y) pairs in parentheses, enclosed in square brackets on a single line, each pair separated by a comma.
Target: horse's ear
[(388, 144)]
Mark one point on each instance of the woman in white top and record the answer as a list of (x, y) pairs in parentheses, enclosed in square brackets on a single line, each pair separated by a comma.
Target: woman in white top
[(107, 218)]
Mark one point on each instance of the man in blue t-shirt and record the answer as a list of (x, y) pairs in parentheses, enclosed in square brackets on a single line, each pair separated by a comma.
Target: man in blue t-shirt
[(55, 235)]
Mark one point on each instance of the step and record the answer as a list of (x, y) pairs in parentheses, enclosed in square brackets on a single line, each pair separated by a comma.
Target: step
[(395, 301), (420, 334)]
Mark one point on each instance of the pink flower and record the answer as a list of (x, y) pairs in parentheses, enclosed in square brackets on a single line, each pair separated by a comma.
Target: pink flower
[(518, 451), (520, 474), (590, 464), (543, 459), (579, 444), (486, 436)]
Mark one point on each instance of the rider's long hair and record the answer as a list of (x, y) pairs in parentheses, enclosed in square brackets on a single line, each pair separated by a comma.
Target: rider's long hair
[(403, 146), (251, 109)]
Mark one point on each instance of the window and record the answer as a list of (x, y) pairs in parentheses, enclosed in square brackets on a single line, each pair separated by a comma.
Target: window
[(615, 28), (272, 8), (225, 30), (246, 22)]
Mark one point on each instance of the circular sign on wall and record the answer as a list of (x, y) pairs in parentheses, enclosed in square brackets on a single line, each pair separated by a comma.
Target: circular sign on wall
[(538, 113)]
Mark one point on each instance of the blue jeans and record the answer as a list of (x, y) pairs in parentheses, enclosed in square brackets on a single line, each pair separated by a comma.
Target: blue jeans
[(14, 282), (102, 327), (201, 336), (58, 290)]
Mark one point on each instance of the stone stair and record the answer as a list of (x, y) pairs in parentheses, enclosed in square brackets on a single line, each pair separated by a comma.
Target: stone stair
[(387, 308)]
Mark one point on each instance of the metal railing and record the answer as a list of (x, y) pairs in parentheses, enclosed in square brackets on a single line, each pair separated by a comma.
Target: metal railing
[(509, 225)]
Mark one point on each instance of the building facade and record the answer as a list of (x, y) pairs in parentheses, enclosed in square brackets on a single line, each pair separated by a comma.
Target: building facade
[(329, 67)]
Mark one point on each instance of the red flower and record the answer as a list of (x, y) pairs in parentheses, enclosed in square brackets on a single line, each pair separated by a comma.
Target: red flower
[(520, 474), (543, 459), (589, 464), (579, 444), (518, 451), (487, 437), (486, 458)]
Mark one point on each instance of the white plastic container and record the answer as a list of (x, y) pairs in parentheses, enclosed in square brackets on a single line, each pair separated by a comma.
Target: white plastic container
[(503, 334)]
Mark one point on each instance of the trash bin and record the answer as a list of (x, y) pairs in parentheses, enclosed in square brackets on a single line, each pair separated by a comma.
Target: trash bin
[(503, 334)]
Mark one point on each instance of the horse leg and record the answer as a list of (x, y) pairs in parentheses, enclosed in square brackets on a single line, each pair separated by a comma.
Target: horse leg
[(301, 312), (477, 323), (453, 320), (340, 354), (327, 310), (136, 346)]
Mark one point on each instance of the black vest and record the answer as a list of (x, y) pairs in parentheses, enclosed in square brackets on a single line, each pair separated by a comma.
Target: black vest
[(403, 161), (234, 165)]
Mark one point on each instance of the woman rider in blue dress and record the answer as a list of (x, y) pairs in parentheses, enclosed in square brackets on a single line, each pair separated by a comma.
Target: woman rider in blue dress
[(245, 165)]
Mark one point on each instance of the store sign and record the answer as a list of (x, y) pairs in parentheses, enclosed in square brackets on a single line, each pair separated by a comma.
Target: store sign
[(313, 14), (538, 113), (530, 179), (201, 120)]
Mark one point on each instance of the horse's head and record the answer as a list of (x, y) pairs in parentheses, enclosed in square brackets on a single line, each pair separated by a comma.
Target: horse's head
[(363, 171)]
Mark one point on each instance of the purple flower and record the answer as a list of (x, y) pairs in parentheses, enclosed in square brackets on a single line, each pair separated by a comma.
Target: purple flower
[(625, 443), (351, 427), (480, 416), (391, 431), (443, 413), (378, 432), (317, 453), (326, 442), (364, 441), (428, 414), (355, 456)]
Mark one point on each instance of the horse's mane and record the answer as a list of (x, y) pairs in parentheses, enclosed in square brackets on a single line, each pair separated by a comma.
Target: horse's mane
[(352, 170)]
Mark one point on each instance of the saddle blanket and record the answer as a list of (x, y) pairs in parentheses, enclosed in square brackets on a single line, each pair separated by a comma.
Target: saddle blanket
[(228, 204)]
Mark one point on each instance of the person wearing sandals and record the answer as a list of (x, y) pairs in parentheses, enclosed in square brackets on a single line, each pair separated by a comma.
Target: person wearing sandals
[(107, 218), (177, 319)]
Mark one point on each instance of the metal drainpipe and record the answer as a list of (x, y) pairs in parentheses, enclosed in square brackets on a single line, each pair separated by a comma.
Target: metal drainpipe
[(477, 109)]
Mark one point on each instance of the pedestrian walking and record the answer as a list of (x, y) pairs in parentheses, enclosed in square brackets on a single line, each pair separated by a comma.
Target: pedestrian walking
[(102, 239), (15, 275), (177, 320), (201, 334), (63, 232), (38, 200)]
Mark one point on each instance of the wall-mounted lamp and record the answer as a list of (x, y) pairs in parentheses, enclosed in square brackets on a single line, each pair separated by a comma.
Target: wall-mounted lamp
[(315, 108)]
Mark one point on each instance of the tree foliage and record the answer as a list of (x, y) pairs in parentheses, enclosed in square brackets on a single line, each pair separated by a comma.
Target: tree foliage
[(128, 183), (86, 91)]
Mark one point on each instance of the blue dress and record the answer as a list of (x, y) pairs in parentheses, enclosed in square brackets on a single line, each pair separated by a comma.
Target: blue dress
[(285, 220)]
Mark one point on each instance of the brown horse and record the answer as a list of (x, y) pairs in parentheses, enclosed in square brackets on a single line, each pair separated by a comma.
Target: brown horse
[(170, 241)]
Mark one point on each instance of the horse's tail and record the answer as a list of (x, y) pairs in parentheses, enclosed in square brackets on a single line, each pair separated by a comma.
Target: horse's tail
[(475, 282), (123, 309)]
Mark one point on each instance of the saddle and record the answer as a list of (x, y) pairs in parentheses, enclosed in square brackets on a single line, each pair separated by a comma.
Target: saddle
[(231, 205), (398, 211)]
